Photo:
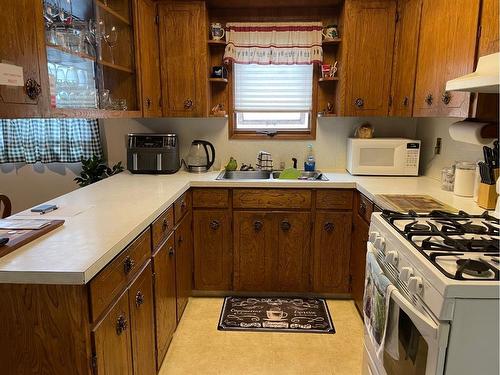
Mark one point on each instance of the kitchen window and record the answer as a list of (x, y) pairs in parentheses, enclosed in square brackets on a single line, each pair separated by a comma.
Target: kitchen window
[(272, 98)]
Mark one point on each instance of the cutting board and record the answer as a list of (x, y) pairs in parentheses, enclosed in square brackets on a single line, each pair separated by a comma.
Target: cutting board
[(18, 238), (417, 203)]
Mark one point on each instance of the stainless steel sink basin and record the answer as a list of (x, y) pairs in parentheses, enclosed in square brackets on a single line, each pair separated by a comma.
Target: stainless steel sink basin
[(244, 175), (265, 175)]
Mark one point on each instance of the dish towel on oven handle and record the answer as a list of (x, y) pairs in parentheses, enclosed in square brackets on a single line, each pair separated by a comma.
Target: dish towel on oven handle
[(376, 300)]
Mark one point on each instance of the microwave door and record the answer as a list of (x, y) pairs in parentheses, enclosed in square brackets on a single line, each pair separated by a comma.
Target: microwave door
[(376, 160)]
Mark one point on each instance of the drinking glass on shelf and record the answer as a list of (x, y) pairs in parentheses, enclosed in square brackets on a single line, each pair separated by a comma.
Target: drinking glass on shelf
[(111, 38), (99, 32), (104, 99)]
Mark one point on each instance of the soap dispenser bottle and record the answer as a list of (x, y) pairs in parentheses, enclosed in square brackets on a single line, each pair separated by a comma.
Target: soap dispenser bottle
[(310, 161)]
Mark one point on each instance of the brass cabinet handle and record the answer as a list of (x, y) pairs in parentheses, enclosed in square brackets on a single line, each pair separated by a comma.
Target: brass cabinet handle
[(285, 225), (188, 104), (446, 97), (429, 99), (359, 102), (257, 225), (329, 226), (406, 101), (171, 251), (128, 264), (180, 240), (165, 223), (183, 204), (148, 103), (32, 88), (139, 298), (121, 325), (214, 224), (362, 207)]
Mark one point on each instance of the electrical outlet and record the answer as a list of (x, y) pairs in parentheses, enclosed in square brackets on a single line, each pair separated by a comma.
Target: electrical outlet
[(437, 148)]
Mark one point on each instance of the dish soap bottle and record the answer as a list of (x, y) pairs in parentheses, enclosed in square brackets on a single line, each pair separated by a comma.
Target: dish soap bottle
[(310, 161)]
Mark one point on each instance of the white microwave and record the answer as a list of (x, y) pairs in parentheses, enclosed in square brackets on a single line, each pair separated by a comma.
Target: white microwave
[(383, 156)]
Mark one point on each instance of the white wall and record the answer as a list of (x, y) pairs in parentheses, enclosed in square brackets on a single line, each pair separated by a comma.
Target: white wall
[(28, 185), (428, 129)]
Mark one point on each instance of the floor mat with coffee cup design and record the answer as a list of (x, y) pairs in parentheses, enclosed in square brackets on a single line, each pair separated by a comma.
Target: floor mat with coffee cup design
[(279, 314)]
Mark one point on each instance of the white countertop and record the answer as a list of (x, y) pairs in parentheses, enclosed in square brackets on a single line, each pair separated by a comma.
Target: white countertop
[(101, 219)]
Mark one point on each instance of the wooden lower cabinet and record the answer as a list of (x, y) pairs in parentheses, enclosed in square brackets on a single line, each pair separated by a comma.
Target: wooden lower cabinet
[(212, 250), (165, 299), (183, 263), (332, 247), (271, 251), (358, 258), (124, 339)]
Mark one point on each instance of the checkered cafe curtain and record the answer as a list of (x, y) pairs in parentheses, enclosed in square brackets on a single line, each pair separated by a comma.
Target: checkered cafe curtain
[(48, 140)]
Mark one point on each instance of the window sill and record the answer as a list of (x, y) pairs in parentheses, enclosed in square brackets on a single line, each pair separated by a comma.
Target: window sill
[(296, 136)]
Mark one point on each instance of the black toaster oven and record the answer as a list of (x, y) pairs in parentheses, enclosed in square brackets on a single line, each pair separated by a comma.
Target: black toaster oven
[(153, 153)]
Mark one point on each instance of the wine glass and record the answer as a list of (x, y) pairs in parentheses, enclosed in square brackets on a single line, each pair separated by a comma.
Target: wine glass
[(111, 38), (99, 32)]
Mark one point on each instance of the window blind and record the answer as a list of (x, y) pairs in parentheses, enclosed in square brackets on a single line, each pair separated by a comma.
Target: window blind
[(273, 88)]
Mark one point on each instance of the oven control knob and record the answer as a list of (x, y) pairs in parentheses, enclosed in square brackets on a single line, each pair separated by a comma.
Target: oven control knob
[(391, 257), (415, 284), (373, 236), (406, 273), (379, 243)]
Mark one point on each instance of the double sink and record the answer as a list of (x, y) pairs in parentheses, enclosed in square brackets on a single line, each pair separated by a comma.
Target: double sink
[(268, 175)]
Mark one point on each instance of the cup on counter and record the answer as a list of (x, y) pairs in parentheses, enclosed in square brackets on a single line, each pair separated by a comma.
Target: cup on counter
[(465, 173)]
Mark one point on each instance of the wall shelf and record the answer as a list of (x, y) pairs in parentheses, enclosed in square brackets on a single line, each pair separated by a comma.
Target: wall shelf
[(327, 115), (218, 80), (328, 79), (76, 55), (331, 42), (107, 9), (212, 42), (116, 67)]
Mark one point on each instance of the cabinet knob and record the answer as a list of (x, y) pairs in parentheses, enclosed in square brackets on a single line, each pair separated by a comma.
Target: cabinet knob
[(285, 225), (188, 104), (165, 223), (148, 103), (170, 251), (446, 97), (329, 226), (359, 102), (180, 240), (128, 264), (429, 99), (139, 298), (183, 204), (406, 101), (257, 225), (362, 207), (214, 224), (32, 88), (121, 325)]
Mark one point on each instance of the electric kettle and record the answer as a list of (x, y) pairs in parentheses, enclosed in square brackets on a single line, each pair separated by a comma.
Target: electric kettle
[(198, 159)]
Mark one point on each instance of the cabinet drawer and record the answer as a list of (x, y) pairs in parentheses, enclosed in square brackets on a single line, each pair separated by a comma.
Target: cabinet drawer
[(181, 206), (365, 208), (272, 198), (210, 198), (334, 199), (111, 281), (162, 227)]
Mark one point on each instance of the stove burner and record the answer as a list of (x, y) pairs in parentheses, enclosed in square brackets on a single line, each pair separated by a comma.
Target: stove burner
[(473, 267), (415, 226)]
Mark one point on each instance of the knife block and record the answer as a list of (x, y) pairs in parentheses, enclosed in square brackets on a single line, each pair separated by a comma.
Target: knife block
[(487, 196)]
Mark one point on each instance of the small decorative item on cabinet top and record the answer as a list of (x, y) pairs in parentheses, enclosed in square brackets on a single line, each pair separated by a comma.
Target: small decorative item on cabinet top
[(218, 110), (329, 71), (217, 31), (364, 131), (219, 71), (330, 32)]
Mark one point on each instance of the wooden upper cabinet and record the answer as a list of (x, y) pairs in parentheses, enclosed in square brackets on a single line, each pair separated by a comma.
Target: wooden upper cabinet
[(183, 56), (212, 250), (404, 66), (149, 57), (369, 28), (332, 247), (142, 325), (22, 44), (447, 46), (489, 38)]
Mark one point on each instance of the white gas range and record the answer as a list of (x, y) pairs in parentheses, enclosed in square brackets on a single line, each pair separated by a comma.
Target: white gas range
[(446, 273)]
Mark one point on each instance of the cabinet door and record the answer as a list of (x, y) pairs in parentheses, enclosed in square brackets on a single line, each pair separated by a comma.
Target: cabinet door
[(165, 300), (254, 240), (369, 40), (213, 258), (113, 349), (404, 65), (293, 251), (183, 263), (149, 58), (332, 246), (446, 51), (22, 44), (183, 56), (142, 325), (358, 259)]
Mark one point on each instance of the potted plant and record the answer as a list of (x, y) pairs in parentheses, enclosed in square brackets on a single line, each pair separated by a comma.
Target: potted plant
[(94, 169)]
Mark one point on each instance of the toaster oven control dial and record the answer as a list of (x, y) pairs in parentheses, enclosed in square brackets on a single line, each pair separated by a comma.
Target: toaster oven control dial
[(415, 285), (392, 257), (406, 273)]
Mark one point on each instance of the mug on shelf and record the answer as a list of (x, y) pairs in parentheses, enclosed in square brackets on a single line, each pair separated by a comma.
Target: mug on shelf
[(330, 32), (217, 31)]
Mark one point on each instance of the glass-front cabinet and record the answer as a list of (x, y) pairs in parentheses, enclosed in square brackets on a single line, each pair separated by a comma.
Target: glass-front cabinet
[(90, 56)]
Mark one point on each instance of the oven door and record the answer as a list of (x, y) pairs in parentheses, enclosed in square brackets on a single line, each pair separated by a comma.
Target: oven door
[(415, 341)]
